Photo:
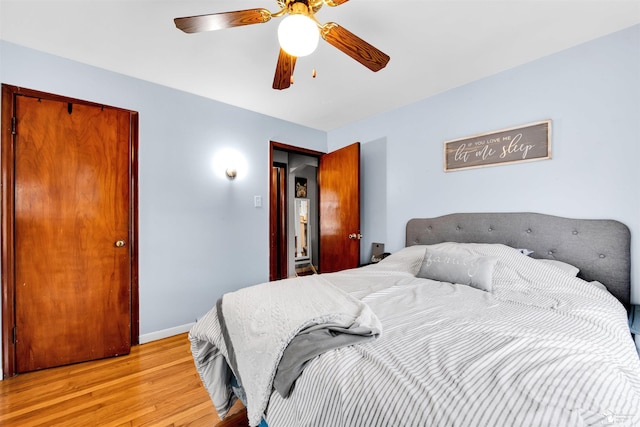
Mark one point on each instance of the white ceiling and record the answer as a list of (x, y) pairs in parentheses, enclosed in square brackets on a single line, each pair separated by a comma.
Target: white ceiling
[(434, 46)]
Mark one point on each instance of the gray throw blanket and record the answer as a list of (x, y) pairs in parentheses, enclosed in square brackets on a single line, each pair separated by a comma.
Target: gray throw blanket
[(312, 342)]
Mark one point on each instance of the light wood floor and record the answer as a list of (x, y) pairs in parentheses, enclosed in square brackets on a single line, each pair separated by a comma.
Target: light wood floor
[(156, 385)]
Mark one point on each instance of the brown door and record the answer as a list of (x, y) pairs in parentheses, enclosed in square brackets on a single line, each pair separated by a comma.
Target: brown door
[(278, 267), (72, 232), (339, 215)]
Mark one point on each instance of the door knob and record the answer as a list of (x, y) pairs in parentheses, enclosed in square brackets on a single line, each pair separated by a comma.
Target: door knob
[(355, 236), (120, 243)]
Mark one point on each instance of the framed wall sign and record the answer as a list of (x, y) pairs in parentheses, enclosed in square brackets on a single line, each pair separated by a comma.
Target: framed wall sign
[(513, 145)]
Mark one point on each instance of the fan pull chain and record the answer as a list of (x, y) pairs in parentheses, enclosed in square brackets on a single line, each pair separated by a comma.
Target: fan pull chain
[(293, 62), (313, 73)]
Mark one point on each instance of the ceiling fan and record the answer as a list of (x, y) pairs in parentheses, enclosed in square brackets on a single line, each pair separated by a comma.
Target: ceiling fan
[(298, 34)]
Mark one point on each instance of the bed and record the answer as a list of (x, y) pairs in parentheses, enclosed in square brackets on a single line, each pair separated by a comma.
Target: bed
[(465, 326)]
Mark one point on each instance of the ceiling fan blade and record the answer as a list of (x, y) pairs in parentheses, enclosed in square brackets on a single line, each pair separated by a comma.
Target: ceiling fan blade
[(284, 70), (341, 38), (334, 3), (219, 21)]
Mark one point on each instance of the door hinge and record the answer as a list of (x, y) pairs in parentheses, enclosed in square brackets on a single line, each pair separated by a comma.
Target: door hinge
[(13, 125), (15, 334)]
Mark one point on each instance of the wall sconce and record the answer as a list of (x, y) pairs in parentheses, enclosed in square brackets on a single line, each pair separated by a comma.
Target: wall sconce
[(229, 164), (231, 173)]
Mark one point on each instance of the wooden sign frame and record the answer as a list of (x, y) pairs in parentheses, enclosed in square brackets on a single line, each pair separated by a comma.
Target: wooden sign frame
[(525, 143)]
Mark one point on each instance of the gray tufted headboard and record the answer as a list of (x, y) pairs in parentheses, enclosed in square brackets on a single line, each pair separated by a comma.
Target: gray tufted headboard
[(600, 248)]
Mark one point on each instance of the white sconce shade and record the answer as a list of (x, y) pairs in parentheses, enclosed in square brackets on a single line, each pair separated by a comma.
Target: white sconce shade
[(298, 35)]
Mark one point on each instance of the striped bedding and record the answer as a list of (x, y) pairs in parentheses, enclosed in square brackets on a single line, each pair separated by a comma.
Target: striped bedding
[(541, 349)]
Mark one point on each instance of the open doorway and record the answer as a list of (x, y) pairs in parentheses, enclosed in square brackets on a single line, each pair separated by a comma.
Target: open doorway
[(294, 211), (334, 199)]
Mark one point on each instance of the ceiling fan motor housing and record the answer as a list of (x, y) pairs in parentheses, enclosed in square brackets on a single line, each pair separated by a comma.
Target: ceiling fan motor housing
[(313, 5)]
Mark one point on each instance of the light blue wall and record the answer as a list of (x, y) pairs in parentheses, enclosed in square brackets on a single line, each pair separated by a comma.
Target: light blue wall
[(591, 93), (200, 235), (373, 195)]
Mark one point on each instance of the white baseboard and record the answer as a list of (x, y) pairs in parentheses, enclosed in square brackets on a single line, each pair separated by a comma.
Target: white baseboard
[(165, 333)]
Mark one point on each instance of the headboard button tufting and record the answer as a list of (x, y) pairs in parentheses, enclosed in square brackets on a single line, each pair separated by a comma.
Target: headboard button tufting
[(490, 229), (575, 232), (550, 252), (458, 228), (602, 255), (528, 230)]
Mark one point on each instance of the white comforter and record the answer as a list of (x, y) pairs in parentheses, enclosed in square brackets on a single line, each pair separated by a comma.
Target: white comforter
[(541, 349)]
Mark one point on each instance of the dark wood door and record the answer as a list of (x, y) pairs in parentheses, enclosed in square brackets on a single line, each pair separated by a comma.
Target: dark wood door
[(278, 266), (72, 232), (339, 214)]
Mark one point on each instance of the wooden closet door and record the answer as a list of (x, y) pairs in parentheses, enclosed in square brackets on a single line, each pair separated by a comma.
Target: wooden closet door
[(72, 233)]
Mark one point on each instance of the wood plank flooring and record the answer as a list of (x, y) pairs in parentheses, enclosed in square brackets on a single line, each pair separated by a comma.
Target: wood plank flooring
[(156, 385)]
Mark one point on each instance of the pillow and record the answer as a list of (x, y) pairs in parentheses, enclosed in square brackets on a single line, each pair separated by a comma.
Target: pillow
[(458, 266), (567, 268), (599, 285), (407, 259)]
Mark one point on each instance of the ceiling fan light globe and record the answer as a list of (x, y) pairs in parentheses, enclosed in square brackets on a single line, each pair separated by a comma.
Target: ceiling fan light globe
[(298, 35)]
